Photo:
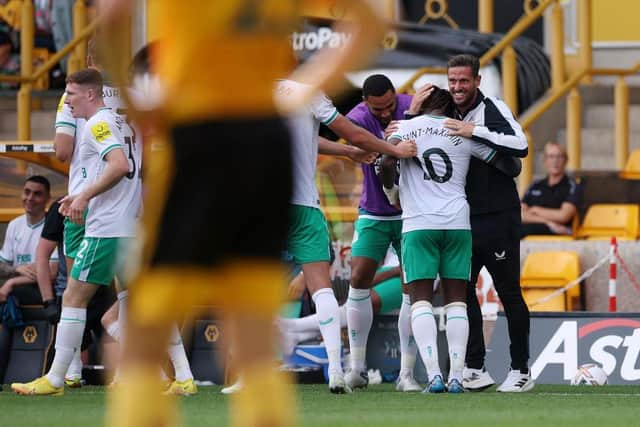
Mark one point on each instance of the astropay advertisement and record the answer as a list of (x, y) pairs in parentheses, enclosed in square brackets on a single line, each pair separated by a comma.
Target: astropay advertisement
[(560, 342)]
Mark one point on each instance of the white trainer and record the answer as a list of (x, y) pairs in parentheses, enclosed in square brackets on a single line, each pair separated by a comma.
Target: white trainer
[(407, 383), (337, 385), (516, 382), (356, 379), (476, 379)]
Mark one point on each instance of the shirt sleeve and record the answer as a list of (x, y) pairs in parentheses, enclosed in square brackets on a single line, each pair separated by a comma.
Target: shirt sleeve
[(482, 151), (500, 130), (53, 228), (575, 193), (323, 109), (7, 253), (65, 122), (104, 136), (527, 195)]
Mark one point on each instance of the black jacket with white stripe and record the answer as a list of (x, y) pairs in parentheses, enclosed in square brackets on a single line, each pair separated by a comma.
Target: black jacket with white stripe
[(488, 189)]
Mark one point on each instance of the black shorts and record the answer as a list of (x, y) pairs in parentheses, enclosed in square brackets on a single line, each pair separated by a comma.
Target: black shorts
[(230, 194)]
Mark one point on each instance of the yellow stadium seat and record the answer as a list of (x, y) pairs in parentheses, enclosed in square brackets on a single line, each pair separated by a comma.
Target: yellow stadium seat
[(544, 273), (632, 168), (603, 221)]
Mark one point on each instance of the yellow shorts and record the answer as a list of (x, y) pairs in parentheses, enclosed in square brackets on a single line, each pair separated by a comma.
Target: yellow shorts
[(164, 294)]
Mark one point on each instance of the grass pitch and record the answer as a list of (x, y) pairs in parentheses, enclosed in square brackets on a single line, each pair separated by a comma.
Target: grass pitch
[(379, 405)]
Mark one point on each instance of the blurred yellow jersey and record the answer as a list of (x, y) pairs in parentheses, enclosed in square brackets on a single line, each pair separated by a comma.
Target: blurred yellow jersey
[(220, 58)]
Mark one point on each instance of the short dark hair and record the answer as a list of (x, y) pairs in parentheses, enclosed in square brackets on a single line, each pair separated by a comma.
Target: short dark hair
[(40, 180), (465, 60), (440, 101), (88, 77), (377, 85)]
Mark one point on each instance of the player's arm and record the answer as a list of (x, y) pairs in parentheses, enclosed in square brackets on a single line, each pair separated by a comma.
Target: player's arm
[(325, 70), (63, 146), (365, 140), (500, 130), (354, 153), (7, 270), (116, 168), (64, 138), (510, 166), (44, 271)]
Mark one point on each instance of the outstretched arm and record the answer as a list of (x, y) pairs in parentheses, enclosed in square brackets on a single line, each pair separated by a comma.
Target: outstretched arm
[(365, 140)]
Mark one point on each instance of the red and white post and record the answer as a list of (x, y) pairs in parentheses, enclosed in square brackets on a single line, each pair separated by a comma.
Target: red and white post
[(613, 275)]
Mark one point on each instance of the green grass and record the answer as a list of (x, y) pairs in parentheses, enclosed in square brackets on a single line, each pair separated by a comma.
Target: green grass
[(378, 406)]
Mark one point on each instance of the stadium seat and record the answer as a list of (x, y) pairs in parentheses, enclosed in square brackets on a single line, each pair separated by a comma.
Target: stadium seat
[(632, 167), (603, 221), (544, 273)]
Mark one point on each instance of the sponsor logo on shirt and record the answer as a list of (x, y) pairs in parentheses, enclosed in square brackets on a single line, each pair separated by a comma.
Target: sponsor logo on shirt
[(23, 259), (101, 131)]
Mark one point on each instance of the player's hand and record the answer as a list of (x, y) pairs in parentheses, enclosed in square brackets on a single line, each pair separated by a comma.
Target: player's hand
[(459, 128), (418, 98), (27, 270), (406, 149), (361, 156), (73, 206), (392, 127)]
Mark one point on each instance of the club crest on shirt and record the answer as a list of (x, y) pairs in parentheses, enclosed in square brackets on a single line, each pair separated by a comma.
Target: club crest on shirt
[(101, 131)]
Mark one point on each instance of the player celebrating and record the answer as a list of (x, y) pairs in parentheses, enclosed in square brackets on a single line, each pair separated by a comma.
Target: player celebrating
[(436, 236), (308, 238), (108, 162), (378, 226)]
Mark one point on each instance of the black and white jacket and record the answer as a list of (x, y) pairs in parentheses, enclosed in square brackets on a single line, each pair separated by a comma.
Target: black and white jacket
[(488, 189)]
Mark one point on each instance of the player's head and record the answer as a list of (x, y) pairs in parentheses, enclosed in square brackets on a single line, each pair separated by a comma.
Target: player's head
[(84, 92), (555, 158), (439, 103), (379, 95), (36, 193), (464, 80)]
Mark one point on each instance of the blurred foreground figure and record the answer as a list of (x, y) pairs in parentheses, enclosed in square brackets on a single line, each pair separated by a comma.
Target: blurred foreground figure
[(216, 212)]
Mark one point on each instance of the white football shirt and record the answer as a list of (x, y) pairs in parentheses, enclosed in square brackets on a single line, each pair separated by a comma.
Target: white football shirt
[(304, 126), (69, 125), (21, 242), (432, 184), (112, 213)]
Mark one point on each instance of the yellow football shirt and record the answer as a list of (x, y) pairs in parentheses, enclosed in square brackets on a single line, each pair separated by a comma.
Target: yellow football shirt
[(220, 58)]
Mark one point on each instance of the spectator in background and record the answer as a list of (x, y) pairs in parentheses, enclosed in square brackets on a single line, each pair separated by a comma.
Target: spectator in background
[(18, 254), (550, 204)]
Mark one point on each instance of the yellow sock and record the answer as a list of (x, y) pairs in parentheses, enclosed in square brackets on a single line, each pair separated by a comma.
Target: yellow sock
[(266, 399), (137, 401)]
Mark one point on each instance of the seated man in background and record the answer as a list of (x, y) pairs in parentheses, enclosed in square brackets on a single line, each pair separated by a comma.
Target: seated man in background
[(18, 254), (550, 204)]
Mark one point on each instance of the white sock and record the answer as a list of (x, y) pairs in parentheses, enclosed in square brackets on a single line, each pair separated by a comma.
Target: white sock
[(425, 332), (457, 336), (309, 323), (114, 330), (178, 356), (359, 320), (75, 367), (328, 314), (343, 316), (408, 349), (68, 340)]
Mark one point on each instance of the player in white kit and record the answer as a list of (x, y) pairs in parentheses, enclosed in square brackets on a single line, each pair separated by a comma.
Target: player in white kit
[(436, 236), (109, 164)]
